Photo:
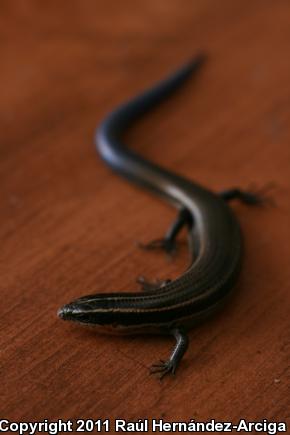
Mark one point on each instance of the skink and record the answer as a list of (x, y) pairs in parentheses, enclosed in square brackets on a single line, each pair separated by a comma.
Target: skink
[(169, 307)]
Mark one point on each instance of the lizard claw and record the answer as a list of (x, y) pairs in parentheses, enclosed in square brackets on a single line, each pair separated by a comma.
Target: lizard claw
[(169, 246), (147, 285), (163, 368), (259, 196)]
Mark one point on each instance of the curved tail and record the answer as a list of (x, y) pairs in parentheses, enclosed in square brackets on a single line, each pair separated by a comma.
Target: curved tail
[(127, 162)]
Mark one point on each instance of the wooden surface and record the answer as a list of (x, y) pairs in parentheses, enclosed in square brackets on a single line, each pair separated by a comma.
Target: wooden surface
[(68, 225)]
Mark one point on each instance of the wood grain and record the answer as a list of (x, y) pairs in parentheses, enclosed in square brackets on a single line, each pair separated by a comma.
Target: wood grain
[(69, 226)]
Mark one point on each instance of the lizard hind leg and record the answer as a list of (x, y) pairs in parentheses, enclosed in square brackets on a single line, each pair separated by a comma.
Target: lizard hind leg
[(251, 196), (168, 242)]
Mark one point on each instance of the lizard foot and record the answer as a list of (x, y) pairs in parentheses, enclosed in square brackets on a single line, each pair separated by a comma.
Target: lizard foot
[(163, 368)]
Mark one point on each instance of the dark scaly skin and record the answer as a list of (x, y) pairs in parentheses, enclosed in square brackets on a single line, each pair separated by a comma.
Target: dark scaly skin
[(213, 231)]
